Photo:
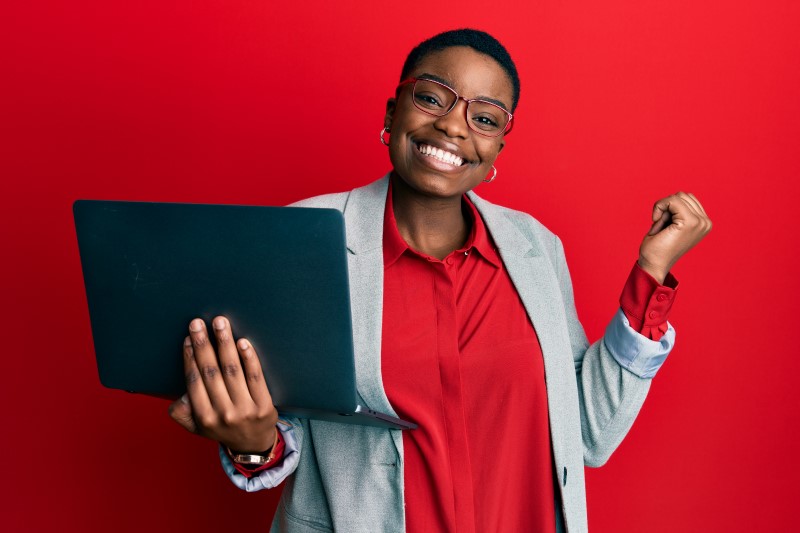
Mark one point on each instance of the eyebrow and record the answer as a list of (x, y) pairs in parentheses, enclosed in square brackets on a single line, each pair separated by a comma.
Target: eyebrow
[(434, 77)]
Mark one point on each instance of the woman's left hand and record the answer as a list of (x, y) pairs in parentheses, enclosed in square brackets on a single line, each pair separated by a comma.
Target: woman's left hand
[(679, 222)]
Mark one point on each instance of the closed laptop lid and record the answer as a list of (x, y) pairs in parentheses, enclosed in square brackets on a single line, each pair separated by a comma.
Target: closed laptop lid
[(278, 273)]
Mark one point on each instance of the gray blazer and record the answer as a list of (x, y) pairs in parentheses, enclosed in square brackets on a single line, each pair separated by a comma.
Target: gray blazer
[(350, 478)]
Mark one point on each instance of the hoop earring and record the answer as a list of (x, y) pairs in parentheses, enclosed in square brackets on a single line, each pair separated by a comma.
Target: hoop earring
[(494, 175), (383, 141)]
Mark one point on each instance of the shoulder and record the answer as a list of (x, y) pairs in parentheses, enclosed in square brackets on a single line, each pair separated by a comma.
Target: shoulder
[(335, 200), (505, 219), (527, 223), (339, 200)]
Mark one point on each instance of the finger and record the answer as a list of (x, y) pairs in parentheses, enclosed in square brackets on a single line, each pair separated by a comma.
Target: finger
[(195, 388), (206, 360), (703, 222), (659, 208), (229, 361), (697, 202), (694, 217), (664, 221), (181, 412), (254, 374), (681, 209), (690, 203)]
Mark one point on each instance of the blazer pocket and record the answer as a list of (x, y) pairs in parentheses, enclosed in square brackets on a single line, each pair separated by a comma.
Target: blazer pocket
[(291, 523)]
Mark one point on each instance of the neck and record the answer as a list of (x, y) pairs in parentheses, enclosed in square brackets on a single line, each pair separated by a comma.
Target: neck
[(433, 226)]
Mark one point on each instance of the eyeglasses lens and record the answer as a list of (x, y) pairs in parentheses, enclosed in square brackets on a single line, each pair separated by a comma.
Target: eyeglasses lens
[(437, 99)]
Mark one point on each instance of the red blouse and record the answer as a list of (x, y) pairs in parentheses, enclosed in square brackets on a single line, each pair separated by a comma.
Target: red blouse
[(461, 359)]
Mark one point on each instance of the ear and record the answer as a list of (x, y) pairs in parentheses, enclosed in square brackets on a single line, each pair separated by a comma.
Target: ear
[(391, 105)]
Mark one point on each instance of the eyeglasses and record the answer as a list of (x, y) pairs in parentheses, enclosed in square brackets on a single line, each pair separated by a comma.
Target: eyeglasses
[(437, 99)]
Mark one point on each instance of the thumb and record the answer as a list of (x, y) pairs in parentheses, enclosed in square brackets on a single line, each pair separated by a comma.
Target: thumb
[(660, 223), (181, 412)]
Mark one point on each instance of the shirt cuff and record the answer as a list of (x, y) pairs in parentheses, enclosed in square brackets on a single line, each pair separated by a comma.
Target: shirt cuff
[(647, 303), (635, 352), (270, 477)]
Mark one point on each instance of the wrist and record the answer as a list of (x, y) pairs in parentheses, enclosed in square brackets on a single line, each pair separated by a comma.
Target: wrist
[(268, 444), (658, 273), (255, 459)]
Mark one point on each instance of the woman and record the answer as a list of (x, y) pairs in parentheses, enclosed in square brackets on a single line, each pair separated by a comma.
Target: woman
[(464, 323)]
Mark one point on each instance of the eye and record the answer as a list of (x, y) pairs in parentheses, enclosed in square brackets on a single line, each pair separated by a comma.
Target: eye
[(433, 97), (429, 100), (485, 122), (485, 116)]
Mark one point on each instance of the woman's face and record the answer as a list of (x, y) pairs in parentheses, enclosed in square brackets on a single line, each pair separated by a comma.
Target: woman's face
[(472, 75)]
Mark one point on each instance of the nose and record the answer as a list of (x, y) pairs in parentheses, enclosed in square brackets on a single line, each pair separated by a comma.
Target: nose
[(454, 123)]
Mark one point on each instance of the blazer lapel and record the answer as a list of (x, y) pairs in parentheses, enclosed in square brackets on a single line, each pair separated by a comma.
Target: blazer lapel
[(363, 217)]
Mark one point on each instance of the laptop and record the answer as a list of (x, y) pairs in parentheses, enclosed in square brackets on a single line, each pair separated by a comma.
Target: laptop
[(279, 274)]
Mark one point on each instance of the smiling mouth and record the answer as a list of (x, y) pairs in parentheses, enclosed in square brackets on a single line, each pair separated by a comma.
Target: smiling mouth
[(441, 155)]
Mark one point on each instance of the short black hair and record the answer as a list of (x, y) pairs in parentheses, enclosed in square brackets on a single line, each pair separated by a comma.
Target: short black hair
[(480, 41)]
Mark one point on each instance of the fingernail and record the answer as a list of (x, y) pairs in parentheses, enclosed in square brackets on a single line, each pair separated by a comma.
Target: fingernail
[(196, 325), (187, 341), (219, 323), (243, 344), (185, 399)]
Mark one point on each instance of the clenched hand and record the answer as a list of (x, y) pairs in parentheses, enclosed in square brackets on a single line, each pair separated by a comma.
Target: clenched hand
[(679, 223)]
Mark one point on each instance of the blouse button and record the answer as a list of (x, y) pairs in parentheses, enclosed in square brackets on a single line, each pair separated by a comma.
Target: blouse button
[(661, 297), (449, 260)]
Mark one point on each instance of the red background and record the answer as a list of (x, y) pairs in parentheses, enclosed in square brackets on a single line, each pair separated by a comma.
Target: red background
[(245, 102)]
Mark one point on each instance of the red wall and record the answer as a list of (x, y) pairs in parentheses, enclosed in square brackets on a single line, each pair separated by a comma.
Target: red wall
[(244, 102)]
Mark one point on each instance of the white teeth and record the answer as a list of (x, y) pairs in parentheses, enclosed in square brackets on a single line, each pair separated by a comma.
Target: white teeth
[(441, 155)]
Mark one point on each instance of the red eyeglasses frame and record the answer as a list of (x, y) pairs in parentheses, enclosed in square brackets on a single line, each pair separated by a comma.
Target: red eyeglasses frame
[(408, 81)]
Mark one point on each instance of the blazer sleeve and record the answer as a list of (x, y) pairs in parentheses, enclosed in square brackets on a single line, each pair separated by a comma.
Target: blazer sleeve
[(613, 374)]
